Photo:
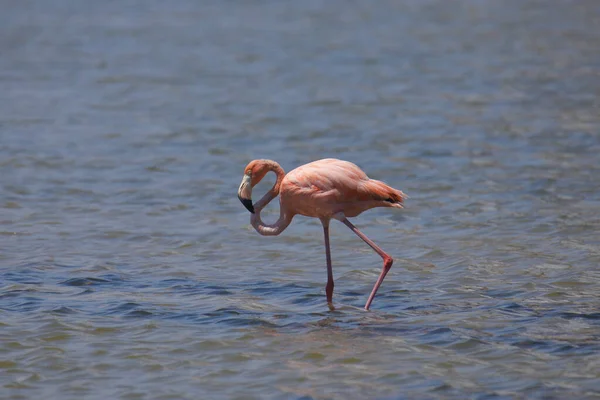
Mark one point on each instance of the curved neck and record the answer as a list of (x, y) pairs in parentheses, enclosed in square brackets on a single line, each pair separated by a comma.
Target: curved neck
[(284, 217), (271, 229)]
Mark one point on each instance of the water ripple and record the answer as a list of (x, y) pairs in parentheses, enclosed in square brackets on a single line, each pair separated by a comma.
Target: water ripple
[(128, 268)]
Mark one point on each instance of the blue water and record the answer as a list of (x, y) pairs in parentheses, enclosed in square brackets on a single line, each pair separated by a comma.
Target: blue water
[(129, 269)]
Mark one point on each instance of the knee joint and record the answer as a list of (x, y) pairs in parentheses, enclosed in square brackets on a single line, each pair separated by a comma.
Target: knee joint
[(387, 263)]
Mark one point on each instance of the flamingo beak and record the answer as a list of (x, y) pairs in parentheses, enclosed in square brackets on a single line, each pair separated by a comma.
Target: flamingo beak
[(245, 193), (248, 204)]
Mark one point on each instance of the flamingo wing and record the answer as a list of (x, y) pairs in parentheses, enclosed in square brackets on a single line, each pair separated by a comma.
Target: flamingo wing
[(340, 182)]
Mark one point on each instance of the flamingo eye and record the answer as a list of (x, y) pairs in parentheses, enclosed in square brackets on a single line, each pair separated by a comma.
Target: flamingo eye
[(249, 172)]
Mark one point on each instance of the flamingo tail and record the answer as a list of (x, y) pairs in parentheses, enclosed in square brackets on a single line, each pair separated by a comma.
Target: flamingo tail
[(384, 192)]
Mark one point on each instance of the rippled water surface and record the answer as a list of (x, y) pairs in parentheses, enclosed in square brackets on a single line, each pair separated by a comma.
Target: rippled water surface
[(129, 269)]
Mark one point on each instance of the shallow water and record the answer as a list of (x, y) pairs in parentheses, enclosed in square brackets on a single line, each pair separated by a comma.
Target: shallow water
[(129, 270)]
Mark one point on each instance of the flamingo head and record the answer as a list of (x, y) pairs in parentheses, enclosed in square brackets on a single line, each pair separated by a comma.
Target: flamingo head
[(253, 173)]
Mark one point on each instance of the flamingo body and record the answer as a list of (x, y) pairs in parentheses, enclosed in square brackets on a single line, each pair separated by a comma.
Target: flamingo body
[(323, 189)]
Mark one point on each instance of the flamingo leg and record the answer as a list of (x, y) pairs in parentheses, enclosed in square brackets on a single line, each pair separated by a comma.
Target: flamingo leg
[(387, 260), (329, 286)]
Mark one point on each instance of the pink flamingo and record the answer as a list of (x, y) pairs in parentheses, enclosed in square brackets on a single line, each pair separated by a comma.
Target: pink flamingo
[(322, 189)]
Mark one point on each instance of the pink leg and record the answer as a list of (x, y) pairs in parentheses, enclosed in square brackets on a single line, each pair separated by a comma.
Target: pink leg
[(387, 260), (329, 286)]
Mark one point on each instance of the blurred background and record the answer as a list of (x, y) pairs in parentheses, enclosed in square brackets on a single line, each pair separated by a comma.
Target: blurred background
[(129, 270)]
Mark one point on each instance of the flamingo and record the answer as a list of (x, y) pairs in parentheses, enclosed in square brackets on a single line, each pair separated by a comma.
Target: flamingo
[(323, 189)]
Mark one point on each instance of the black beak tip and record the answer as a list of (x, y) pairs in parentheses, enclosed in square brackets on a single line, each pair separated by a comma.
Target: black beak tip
[(248, 204)]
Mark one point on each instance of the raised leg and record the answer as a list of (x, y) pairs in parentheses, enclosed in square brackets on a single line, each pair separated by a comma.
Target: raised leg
[(387, 260), (329, 286)]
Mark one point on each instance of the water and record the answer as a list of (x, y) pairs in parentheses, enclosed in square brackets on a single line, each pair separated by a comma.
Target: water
[(129, 270)]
